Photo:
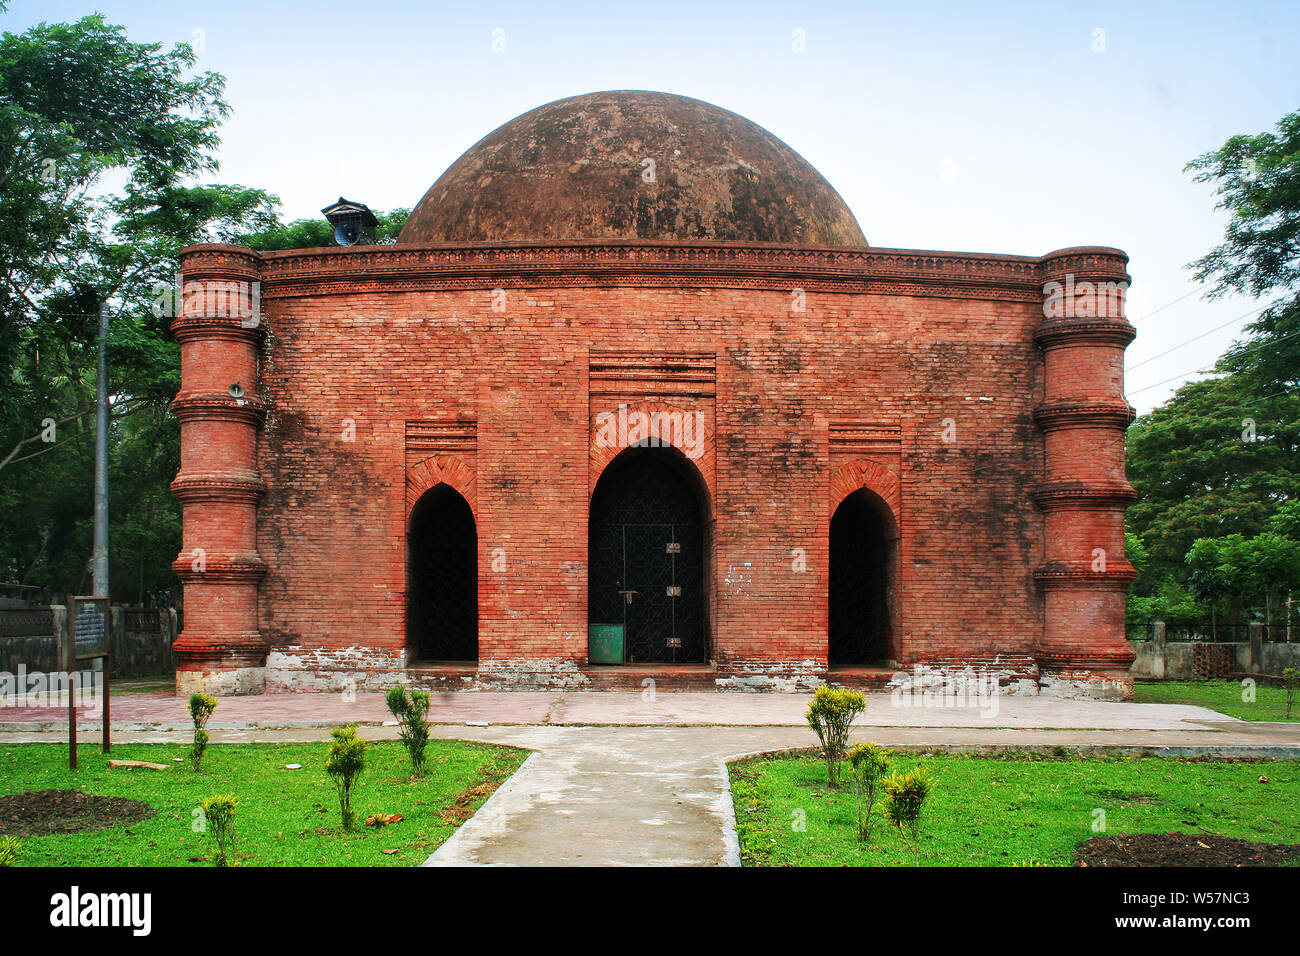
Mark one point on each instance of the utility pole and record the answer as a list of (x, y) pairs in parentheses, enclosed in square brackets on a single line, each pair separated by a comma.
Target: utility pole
[(99, 559)]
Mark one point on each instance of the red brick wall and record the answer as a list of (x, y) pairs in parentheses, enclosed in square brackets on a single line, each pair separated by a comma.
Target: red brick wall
[(331, 525), (920, 376)]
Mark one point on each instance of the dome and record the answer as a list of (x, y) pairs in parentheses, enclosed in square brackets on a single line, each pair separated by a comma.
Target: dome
[(632, 165)]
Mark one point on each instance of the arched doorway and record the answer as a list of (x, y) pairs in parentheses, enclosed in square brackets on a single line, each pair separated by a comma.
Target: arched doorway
[(442, 578), (861, 569), (646, 555)]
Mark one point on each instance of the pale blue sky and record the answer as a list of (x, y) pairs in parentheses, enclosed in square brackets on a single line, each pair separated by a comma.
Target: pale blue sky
[(985, 127)]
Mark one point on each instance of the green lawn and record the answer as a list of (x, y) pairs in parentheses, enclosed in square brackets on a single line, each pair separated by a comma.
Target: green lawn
[(1221, 695), (284, 817), (1003, 812)]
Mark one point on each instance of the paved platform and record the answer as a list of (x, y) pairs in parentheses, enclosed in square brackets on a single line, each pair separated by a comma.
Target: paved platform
[(631, 708), (625, 778)]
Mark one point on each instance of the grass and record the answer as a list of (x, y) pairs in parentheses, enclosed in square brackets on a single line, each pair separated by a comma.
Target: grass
[(284, 817), (1010, 811), (1225, 696)]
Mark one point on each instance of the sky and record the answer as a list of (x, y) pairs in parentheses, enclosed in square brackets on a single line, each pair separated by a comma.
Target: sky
[(988, 127)]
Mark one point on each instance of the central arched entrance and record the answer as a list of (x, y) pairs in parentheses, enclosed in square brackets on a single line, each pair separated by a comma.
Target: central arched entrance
[(647, 559), (442, 578), (861, 569)]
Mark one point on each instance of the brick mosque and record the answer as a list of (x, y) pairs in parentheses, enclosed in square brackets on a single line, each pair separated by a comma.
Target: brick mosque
[(632, 396)]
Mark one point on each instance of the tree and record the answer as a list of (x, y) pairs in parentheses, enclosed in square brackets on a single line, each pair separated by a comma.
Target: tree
[(1221, 456), (313, 233), (101, 143)]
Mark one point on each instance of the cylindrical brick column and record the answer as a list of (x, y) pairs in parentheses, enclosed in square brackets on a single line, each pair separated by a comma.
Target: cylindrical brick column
[(1083, 650), (220, 649)]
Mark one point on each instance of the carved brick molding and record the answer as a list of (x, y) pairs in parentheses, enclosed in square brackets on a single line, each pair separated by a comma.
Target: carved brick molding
[(634, 373)]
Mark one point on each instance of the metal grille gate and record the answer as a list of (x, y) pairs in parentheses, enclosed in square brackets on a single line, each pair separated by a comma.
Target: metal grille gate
[(858, 629), (442, 584), (647, 574)]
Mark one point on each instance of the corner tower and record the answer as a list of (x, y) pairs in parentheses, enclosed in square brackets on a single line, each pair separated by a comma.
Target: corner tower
[(1085, 574), (220, 649)]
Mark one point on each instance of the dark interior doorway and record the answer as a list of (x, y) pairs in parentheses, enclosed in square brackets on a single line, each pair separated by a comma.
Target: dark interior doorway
[(442, 578), (861, 553), (646, 557)]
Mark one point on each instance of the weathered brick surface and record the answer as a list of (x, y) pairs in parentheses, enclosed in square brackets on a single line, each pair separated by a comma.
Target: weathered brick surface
[(915, 375)]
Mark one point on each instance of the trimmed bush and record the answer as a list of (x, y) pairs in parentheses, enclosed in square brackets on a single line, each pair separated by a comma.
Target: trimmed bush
[(869, 764), (346, 761), (201, 708), (830, 714), (219, 815), (905, 796), (411, 713)]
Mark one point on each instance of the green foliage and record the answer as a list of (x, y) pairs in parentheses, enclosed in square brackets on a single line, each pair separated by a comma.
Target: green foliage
[(9, 851), (219, 815), (315, 233), (279, 820), (201, 708), (101, 143), (1171, 603), (1291, 682), (905, 796), (869, 764), (1222, 457), (830, 714), (1244, 569), (345, 763), (411, 713)]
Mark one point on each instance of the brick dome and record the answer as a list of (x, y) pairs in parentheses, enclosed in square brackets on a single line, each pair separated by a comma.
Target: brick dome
[(577, 169)]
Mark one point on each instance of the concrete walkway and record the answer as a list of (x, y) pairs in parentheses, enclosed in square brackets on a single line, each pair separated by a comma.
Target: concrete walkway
[(632, 779)]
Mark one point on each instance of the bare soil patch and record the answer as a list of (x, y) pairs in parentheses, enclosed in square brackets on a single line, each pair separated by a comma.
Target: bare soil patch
[(41, 812), (1182, 849)]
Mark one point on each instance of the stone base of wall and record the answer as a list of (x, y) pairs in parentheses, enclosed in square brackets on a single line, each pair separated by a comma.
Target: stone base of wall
[(328, 670), (785, 677), (1085, 685), (232, 683), (355, 669)]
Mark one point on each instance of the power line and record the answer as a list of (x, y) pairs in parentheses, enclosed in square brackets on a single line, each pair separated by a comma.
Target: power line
[(1252, 348), (1165, 306), (1204, 334)]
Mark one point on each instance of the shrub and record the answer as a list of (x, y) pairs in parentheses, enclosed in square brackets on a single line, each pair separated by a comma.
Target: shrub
[(8, 851), (1291, 681), (201, 708), (869, 764), (219, 814), (346, 760), (411, 713), (830, 714), (905, 795)]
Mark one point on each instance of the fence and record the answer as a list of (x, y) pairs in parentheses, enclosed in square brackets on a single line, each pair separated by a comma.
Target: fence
[(1159, 657), (140, 639)]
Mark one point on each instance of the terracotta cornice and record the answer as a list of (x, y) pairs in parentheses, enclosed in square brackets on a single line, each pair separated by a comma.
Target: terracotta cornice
[(249, 411), (1065, 413), (195, 326), (1077, 495), (223, 650), (1119, 658), (218, 487), (581, 263), (220, 569), (1063, 577), (1055, 333)]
